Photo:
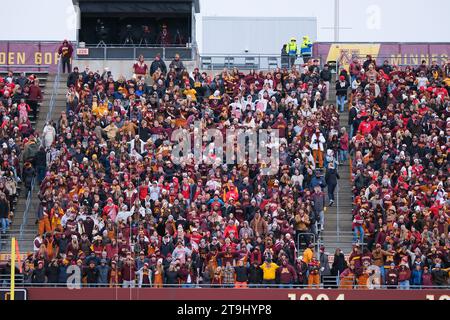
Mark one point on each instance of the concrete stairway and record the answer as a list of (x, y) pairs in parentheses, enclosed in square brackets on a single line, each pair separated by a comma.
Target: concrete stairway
[(29, 223), (28, 232), (338, 218)]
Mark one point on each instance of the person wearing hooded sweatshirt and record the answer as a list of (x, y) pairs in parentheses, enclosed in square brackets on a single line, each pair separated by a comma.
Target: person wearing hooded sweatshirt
[(331, 178), (416, 276), (65, 51), (62, 274), (255, 275), (286, 274), (404, 274), (103, 271), (341, 92)]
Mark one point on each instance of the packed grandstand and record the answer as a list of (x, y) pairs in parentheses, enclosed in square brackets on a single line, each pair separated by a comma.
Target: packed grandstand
[(114, 203)]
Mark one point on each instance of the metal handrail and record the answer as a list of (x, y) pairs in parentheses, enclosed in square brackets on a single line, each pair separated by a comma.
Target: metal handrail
[(219, 286), (54, 92), (136, 45), (27, 209)]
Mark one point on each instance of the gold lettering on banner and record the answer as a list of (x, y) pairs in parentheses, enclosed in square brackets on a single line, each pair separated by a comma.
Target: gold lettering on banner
[(425, 57), (2, 58), (56, 58), (37, 58), (48, 58), (396, 59), (444, 57), (434, 57), (10, 57), (20, 57), (414, 59)]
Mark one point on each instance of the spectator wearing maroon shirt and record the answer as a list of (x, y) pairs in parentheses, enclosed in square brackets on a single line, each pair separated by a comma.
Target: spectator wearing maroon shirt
[(404, 275), (140, 68), (286, 274), (392, 277), (129, 273), (34, 97), (65, 52)]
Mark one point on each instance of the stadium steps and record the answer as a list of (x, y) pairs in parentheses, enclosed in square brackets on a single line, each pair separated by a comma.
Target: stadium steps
[(29, 228), (338, 218)]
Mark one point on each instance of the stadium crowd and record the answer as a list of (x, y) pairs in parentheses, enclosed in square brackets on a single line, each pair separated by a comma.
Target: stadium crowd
[(114, 203), (399, 122), (112, 198), (19, 98)]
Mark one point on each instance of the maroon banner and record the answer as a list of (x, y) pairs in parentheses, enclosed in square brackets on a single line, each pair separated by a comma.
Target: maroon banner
[(231, 294), (400, 54), (29, 53)]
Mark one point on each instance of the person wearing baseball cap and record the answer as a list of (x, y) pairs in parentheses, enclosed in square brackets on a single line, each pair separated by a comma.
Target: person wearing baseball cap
[(342, 86)]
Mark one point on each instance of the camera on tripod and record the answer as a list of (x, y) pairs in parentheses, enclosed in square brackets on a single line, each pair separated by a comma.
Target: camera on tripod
[(102, 33), (146, 36)]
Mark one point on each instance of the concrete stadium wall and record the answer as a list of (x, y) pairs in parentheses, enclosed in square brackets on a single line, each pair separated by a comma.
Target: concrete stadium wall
[(231, 294), (118, 67)]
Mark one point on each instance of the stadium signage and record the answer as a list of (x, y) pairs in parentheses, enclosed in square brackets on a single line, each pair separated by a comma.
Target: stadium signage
[(396, 53), (30, 53)]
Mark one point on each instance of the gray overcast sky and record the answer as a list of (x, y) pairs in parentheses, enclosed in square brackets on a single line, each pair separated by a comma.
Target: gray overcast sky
[(368, 20)]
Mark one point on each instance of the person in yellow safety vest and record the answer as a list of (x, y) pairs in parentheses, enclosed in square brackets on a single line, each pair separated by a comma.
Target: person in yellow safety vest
[(292, 51), (306, 49)]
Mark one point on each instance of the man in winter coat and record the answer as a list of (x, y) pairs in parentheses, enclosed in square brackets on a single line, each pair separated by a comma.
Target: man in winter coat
[(319, 205), (341, 92), (324, 264), (91, 274), (331, 177), (317, 146), (286, 274), (4, 212), (255, 275), (158, 64), (103, 272), (439, 276), (38, 276), (28, 175)]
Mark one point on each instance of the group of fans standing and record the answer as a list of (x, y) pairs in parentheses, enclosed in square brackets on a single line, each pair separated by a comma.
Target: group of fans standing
[(115, 204)]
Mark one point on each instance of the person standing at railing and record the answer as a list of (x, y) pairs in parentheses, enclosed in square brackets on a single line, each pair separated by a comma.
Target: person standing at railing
[(324, 264), (65, 52), (314, 273), (342, 86), (177, 64), (292, 51), (306, 49), (140, 68), (158, 64), (286, 274), (269, 269)]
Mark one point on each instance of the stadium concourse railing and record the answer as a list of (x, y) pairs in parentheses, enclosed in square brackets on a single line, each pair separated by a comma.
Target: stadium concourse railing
[(248, 61), (132, 51)]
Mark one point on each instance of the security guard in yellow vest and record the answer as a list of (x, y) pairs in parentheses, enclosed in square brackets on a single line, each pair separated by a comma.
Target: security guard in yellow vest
[(292, 51), (306, 49)]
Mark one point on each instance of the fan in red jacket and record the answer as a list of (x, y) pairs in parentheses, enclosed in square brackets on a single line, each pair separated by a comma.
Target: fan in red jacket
[(110, 209)]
